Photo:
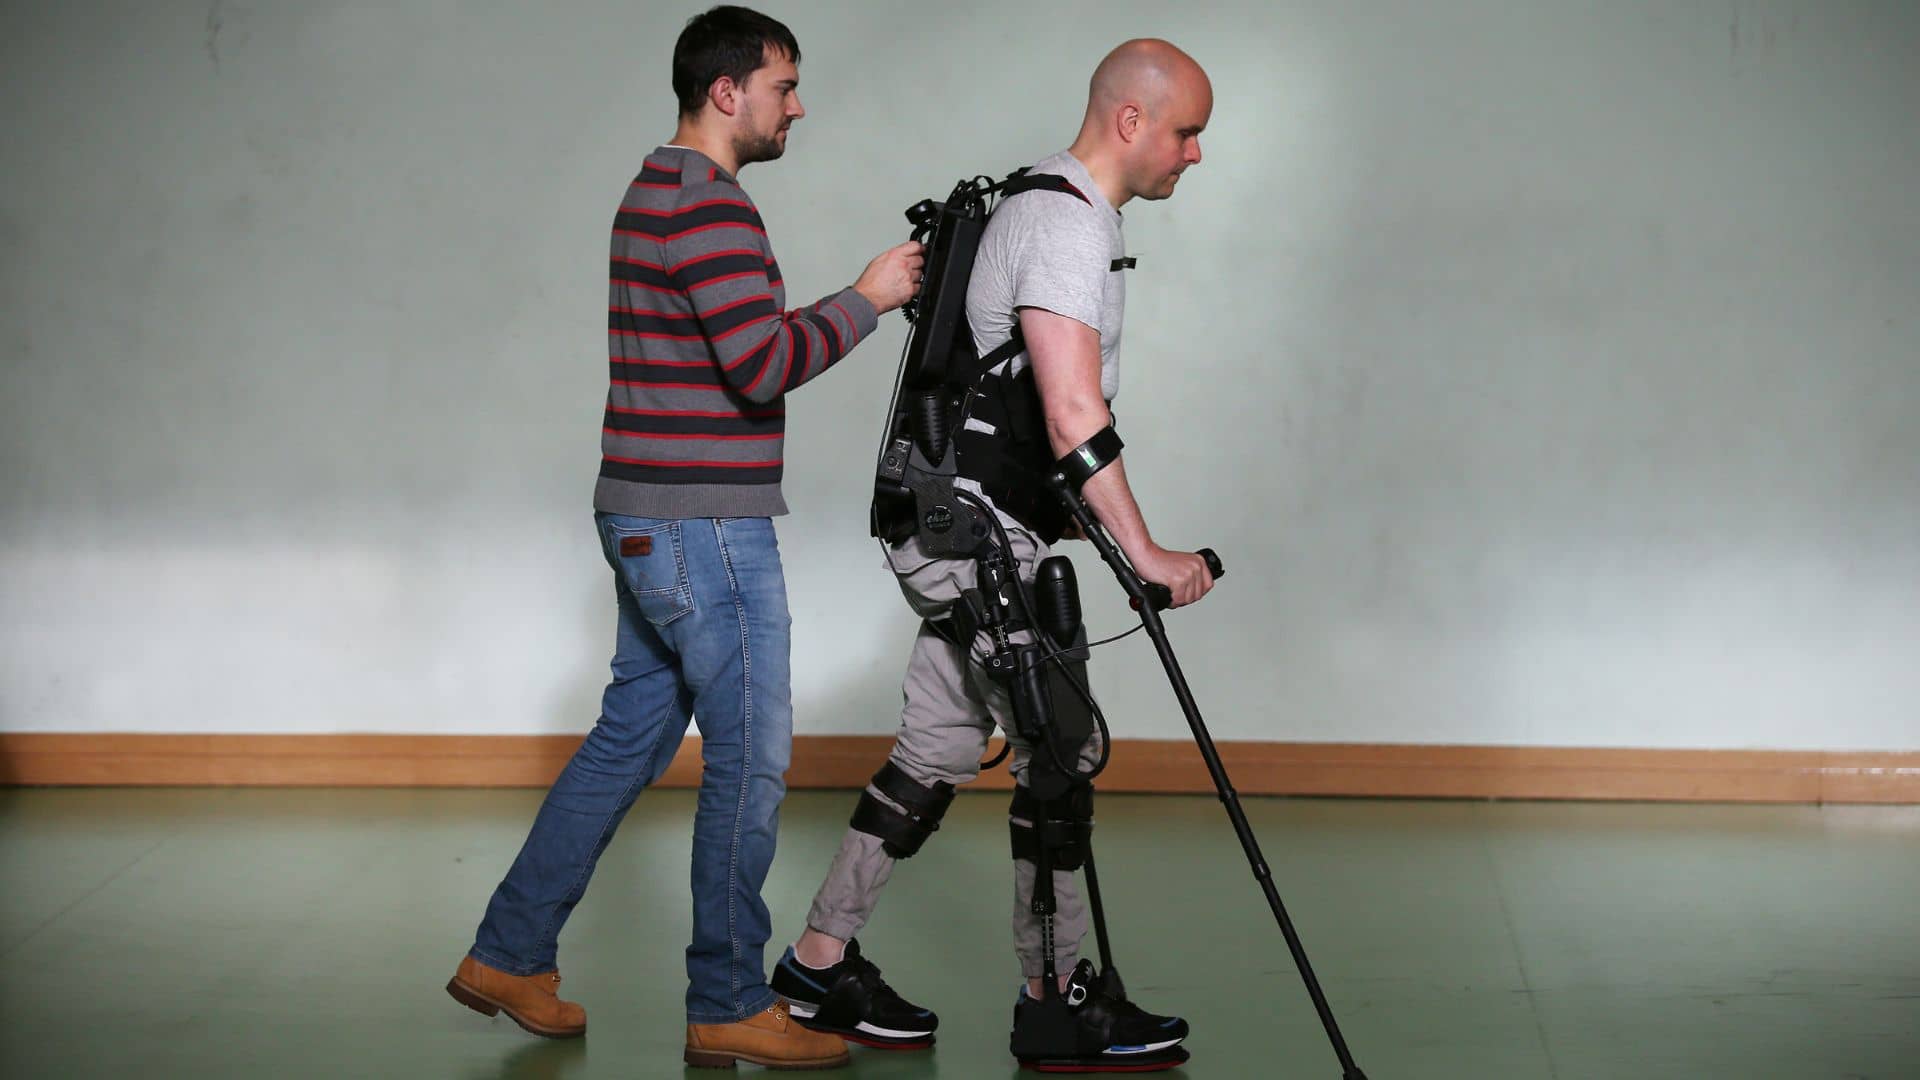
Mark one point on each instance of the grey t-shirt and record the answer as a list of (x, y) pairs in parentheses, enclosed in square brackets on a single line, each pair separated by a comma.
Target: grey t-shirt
[(1047, 249)]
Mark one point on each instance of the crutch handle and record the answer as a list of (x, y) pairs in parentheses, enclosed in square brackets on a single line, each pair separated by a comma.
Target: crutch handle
[(1214, 565), (1162, 597)]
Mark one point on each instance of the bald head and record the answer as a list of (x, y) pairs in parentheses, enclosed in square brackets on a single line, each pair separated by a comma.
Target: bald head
[(1146, 106), (1144, 72)]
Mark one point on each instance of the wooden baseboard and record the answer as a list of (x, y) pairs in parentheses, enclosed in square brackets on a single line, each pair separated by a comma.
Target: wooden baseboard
[(845, 761)]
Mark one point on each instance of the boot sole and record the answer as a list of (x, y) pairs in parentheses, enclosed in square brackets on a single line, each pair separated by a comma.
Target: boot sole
[(726, 1059), (486, 1006)]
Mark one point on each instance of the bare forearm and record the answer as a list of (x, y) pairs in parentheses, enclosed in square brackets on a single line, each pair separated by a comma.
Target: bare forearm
[(1112, 501), (1106, 491), (1066, 370)]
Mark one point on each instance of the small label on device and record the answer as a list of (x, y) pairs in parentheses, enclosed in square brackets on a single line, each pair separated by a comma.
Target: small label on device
[(636, 545)]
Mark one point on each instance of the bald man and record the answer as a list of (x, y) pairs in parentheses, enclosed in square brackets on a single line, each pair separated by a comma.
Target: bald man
[(1049, 262)]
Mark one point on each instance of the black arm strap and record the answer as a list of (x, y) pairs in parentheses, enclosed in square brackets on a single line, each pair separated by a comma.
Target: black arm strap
[(1090, 457)]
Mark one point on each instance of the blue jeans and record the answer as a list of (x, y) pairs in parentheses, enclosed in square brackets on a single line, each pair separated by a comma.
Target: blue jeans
[(704, 632)]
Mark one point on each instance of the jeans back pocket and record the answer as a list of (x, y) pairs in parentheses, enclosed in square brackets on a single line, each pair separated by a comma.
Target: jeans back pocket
[(652, 564)]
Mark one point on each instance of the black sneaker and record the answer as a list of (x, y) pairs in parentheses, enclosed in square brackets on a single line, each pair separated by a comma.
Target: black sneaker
[(1092, 1027), (851, 1000)]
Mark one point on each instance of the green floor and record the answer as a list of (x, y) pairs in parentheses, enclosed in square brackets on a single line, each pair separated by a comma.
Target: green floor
[(308, 933)]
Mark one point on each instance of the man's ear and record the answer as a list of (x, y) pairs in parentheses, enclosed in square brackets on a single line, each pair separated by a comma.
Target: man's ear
[(1127, 122), (724, 95)]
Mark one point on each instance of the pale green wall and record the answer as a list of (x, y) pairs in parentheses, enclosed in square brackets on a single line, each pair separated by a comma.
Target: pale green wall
[(1547, 373)]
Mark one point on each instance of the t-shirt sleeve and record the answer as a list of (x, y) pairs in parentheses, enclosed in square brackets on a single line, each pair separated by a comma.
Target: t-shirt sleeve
[(1063, 259)]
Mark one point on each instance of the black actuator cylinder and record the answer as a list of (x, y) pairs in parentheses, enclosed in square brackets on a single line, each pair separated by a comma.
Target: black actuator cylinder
[(1058, 595), (930, 426)]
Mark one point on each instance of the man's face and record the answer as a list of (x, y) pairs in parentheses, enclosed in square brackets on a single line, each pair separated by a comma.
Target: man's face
[(1170, 136), (769, 103)]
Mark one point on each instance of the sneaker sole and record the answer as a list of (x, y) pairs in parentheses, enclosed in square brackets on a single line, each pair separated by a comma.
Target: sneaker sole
[(1157, 1062), (726, 1059), (486, 1006), (875, 1040)]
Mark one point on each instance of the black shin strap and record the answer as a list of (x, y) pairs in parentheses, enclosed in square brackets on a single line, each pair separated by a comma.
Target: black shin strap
[(1064, 825), (901, 831)]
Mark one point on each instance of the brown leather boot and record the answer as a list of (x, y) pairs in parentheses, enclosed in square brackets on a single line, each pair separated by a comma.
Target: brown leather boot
[(769, 1038), (532, 1001)]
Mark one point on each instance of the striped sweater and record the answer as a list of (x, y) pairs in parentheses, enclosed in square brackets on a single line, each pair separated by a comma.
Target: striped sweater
[(701, 349)]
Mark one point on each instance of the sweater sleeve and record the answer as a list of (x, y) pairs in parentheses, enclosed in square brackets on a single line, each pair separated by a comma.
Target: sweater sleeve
[(717, 253)]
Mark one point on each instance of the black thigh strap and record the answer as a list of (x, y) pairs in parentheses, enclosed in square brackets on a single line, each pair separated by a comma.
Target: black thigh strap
[(929, 801)]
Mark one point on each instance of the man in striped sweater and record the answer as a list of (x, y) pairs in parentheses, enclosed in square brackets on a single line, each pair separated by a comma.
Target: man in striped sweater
[(702, 352)]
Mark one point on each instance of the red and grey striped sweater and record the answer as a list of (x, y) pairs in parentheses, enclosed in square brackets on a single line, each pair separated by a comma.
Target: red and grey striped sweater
[(701, 348)]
